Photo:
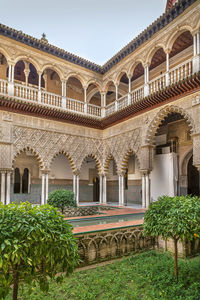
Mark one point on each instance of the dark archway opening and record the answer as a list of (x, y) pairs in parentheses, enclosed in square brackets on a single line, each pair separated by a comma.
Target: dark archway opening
[(17, 181), (25, 181), (193, 179), (96, 189)]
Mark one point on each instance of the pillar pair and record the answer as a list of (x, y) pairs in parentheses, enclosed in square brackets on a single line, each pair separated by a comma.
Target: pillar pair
[(145, 190), (76, 187), (5, 186), (45, 188), (196, 52), (102, 189)]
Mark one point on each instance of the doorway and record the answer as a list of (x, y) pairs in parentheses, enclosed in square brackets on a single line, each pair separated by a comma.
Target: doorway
[(193, 178), (96, 189)]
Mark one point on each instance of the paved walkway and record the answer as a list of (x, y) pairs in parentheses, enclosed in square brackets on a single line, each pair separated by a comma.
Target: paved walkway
[(112, 212)]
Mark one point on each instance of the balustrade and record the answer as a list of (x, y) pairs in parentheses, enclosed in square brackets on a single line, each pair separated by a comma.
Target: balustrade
[(110, 108), (157, 84), (3, 86), (21, 91), (25, 92), (122, 102), (51, 99), (74, 105), (180, 72), (94, 110), (137, 94)]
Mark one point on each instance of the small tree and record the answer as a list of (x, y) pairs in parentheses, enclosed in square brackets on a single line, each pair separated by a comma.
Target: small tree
[(62, 199), (36, 243), (177, 218)]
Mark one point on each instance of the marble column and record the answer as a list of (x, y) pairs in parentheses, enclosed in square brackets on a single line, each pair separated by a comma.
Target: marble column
[(47, 187), (143, 191), (147, 190), (121, 190), (104, 190), (85, 100), (39, 86), (43, 190), (8, 188), (146, 80), (167, 69), (119, 184), (103, 103), (74, 185), (116, 91), (77, 189), (196, 52), (64, 94), (3, 186), (11, 80), (100, 189)]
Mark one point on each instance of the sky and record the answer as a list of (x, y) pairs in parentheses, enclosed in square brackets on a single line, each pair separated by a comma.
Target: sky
[(93, 29)]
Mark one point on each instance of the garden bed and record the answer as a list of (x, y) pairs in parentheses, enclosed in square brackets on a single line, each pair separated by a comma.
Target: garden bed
[(147, 276), (85, 210)]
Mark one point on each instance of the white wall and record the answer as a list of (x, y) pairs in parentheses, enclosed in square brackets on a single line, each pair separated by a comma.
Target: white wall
[(164, 175), (61, 168)]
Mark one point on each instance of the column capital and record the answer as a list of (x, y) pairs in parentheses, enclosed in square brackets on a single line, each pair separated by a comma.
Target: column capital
[(76, 172), (167, 50), (147, 65)]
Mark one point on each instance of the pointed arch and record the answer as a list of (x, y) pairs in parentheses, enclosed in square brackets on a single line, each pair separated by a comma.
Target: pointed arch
[(70, 159), (125, 159), (184, 163), (164, 112), (36, 154), (97, 161), (107, 163)]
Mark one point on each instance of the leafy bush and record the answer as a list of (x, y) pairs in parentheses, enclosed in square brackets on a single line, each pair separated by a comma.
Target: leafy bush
[(36, 243), (173, 217), (62, 199)]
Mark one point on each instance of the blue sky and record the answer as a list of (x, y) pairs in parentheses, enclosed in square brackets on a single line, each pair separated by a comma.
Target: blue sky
[(93, 29)]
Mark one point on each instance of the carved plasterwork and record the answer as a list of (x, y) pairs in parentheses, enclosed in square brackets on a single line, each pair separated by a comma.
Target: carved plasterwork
[(119, 145)]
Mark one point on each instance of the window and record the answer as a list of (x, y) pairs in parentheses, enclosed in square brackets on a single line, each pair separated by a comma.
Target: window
[(17, 181), (25, 181)]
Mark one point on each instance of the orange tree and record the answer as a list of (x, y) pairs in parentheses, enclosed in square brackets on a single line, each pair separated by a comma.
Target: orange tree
[(36, 245), (177, 218), (62, 199)]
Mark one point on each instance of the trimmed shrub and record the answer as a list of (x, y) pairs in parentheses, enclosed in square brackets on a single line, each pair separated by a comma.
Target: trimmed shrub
[(62, 199)]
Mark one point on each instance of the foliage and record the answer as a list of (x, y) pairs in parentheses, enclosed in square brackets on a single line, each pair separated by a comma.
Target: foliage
[(147, 276), (176, 218), (35, 244), (62, 199)]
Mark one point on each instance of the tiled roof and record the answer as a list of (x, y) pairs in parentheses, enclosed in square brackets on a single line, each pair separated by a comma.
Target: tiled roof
[(157, 25)]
